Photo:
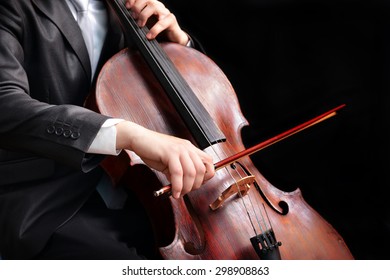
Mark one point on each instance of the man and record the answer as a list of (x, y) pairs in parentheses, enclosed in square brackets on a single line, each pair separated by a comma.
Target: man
[(52, 191)]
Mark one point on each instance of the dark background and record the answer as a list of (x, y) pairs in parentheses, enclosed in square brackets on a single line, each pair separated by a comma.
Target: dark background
[(290, 60)]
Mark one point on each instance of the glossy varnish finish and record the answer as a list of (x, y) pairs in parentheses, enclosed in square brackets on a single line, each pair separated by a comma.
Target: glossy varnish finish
[(188, 228)]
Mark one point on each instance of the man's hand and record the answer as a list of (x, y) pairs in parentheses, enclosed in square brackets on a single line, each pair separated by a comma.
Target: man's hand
[(164, 22), (186, 166)]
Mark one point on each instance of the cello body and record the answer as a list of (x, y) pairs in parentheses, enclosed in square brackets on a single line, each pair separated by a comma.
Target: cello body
[(192, 227)]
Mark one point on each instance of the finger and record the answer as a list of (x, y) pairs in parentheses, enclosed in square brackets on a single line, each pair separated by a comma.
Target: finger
[(208, 164), (175, 172), (131, 3), (189, 173), (135, 7), (200, 169), (193, 175), (142, 11), (210, 170), (165, 22)]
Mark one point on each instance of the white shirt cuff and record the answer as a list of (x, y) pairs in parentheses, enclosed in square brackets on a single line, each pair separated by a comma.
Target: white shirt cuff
[(105, 141)]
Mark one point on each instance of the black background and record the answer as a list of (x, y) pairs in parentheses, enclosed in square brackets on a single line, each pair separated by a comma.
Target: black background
[(290, 60)]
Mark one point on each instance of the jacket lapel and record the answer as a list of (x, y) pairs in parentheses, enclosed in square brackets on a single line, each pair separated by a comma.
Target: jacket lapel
[(59, 13)]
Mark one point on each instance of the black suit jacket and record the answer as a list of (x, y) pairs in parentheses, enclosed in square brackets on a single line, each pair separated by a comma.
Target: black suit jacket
[(45, 76)]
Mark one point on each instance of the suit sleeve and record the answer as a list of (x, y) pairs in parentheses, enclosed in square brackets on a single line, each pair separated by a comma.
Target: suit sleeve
[(62, 132)]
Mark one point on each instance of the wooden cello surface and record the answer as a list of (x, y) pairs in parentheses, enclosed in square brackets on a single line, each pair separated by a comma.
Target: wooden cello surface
[(255, 220)]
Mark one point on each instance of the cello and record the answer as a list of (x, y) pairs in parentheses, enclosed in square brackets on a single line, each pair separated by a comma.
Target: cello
[(237, 214)]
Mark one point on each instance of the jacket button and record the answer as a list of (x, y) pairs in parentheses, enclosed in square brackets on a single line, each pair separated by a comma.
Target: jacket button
[(59, 130), (75, 135), (67, 133), (50, 129)]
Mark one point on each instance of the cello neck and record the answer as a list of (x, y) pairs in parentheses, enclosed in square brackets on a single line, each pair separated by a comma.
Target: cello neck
[(198, 121)]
